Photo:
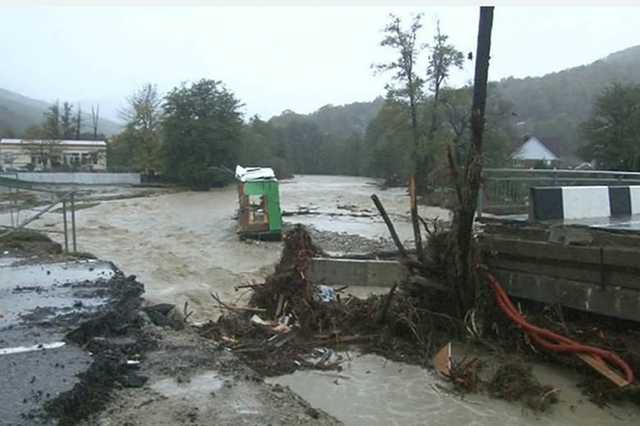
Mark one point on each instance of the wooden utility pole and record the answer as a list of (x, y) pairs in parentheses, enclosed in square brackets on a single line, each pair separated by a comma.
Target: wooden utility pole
[(467, 183)]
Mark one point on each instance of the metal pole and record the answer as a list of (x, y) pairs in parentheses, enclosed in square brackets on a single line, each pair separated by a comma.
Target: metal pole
[(64, 221), (73, 221)]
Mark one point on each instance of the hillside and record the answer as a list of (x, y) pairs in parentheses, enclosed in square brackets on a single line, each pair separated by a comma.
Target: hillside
[(550, 107), (18, 112), (340, 121), (554, 105)]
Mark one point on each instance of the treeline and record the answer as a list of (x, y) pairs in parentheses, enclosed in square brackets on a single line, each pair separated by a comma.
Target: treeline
[(612, 132), (65, 122), (196, 132)]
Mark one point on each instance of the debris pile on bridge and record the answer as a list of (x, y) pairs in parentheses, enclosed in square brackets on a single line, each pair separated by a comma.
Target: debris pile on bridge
[(289, 315)]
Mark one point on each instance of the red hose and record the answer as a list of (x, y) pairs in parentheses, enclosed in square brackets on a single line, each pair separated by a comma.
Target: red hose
[(550, 340)]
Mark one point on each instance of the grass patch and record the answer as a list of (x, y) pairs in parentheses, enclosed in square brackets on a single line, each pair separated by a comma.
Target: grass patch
[(82, 255), (25, 235)]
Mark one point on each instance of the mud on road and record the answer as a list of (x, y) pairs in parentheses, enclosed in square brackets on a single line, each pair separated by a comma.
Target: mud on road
[(77, 347)]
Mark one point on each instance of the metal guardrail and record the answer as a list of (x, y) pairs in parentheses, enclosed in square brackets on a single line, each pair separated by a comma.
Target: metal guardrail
[(18, 197), (506, 191)]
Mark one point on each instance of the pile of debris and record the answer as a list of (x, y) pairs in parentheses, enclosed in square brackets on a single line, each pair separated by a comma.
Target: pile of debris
[(291, 322)]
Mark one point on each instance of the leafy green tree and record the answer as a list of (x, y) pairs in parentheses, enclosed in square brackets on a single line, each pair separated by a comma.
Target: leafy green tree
[(442, 58), (262, 145), (409, 85), (613, 130), (405, 43), (202, 130), (389, 140)]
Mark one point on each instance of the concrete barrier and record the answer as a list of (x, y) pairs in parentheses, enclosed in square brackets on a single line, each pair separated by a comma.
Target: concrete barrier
[(357, 272), (583, 202), (79, 178)]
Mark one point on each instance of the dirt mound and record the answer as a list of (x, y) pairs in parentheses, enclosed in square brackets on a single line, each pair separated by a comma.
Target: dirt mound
[(25, 242), (115, 337)]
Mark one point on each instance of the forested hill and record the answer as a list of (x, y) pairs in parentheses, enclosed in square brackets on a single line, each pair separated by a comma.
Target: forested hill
[(17, 113), (553, 106), (550, 107), (340, 121)]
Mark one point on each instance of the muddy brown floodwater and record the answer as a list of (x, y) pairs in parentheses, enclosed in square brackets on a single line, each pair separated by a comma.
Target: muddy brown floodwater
[(183, 245), (372, 391)]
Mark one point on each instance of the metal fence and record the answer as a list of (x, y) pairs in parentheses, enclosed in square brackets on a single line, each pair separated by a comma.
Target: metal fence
[(506, 191), (23, 203)]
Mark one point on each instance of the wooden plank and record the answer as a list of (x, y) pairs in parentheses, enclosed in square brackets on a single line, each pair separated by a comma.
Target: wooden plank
[(612, 301), (592, 274), (601, 367)]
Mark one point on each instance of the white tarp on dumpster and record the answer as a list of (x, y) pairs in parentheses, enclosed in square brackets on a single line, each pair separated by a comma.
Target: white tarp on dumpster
[(254, 173)]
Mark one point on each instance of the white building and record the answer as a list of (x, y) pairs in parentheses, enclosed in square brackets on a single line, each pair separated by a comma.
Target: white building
[(37, 154), (533, 153)]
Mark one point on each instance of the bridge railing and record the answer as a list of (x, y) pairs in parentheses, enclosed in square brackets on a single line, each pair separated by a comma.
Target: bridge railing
[(506, 191), (23, 203)]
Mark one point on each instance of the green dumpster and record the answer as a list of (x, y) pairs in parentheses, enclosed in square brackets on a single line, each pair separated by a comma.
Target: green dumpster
[(259, 203)]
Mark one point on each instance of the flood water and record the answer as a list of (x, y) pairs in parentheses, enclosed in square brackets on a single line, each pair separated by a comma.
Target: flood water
[(183, 246), (372, 391)]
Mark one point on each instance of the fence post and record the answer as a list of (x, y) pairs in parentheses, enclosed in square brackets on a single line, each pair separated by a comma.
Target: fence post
[(73, 221), (64, 221), (480, 199)]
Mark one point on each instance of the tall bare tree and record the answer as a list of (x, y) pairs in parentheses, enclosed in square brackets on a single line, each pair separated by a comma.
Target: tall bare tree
[(467, 181), (78, 123), (45, 149), (408, 89), (67, 122), (143, 110), (95, 120)]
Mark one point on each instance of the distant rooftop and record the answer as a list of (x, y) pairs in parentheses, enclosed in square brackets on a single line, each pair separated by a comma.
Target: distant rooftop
[(62, 142), (533, 149)]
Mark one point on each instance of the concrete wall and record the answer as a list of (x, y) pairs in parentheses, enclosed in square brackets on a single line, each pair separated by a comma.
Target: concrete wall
[(81, 178), (355, 272)]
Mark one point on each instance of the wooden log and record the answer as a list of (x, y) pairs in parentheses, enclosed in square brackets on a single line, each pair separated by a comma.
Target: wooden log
[(387, 221)]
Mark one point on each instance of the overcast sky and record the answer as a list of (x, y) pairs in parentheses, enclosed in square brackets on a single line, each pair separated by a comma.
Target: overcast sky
[(275, 58)]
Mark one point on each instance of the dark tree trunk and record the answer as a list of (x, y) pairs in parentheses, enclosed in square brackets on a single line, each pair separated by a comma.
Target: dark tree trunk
[(468, 184), (412, 180)]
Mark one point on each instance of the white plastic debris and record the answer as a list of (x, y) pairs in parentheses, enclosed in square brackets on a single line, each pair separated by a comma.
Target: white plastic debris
[(326, 294), (22, 349), (257, 320)]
